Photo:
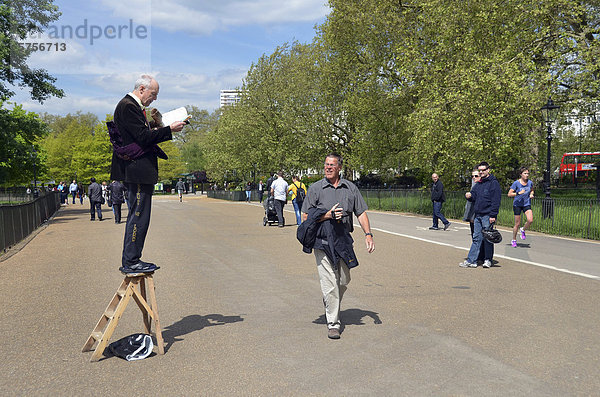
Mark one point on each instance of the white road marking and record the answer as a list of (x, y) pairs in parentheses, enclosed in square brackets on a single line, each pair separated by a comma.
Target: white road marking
[(590, 276)]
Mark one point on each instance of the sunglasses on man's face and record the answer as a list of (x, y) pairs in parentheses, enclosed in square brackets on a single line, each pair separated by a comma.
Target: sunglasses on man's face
[(475, 176)]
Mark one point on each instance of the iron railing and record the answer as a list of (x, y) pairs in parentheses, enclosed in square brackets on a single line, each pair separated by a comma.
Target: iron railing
[(17, 221)]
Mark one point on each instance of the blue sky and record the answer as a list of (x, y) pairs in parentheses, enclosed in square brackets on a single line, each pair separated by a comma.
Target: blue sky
[(194, 48)]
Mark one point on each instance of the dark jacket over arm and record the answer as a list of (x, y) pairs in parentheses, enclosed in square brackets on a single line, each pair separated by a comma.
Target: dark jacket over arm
[(339, 241)]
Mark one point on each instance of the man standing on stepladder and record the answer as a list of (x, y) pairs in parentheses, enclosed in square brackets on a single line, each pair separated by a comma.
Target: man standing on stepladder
[(140, 174)]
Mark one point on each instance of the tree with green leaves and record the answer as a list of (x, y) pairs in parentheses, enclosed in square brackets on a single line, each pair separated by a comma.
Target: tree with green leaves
[(77, 146), (18, 19), (20, 132)]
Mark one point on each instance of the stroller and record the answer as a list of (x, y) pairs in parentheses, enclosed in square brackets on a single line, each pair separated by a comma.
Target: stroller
[(270, 213)]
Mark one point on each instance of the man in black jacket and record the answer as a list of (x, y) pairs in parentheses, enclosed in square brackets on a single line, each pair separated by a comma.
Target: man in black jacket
[(116, 196), (140, 174), (95, 196), (485, 196), (437, 198)]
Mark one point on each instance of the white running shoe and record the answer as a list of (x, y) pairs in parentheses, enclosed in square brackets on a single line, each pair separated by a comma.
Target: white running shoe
[(467, 264), (523, 236), (487, 263)]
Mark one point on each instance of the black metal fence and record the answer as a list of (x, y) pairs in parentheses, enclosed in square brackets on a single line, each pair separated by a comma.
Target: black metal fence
[(17, 221), (231, 195), (565, 216)]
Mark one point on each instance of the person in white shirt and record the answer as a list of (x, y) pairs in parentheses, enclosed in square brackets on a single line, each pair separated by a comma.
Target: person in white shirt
[(73, 190), (279, 189)]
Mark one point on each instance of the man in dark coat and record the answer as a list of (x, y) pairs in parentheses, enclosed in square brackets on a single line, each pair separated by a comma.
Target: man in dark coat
[(140, 174), (116, 194), (95, 196), (437, 198), (485, 196)]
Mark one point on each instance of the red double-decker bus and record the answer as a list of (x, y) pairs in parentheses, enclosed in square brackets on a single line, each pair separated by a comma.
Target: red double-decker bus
[(578, 164)]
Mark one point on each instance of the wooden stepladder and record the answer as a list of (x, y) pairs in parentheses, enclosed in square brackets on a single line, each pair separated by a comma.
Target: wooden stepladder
[(136, 286)]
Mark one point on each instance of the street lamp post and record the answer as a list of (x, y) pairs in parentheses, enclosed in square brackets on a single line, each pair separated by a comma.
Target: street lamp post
[(549, 113)]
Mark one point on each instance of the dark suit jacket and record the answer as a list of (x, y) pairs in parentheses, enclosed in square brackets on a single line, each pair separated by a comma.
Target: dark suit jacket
[(134, 127)]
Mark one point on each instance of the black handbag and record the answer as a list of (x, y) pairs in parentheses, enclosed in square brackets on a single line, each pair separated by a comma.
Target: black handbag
[(491, 234)]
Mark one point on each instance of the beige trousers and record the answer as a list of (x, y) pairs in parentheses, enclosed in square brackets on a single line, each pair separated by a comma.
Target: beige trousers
[(333, 285)]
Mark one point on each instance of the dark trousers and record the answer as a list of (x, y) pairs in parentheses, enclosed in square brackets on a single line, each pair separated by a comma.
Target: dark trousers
[(117, 211), (279, 209), (437, 214), (95, 206), (74, 195), (138, 220), (260, 196)]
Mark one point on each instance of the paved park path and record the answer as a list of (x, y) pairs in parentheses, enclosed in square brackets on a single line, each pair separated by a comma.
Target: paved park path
[(242, 314)]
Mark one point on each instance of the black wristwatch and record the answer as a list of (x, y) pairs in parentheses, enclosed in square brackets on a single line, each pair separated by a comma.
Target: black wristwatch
[(369, 234)]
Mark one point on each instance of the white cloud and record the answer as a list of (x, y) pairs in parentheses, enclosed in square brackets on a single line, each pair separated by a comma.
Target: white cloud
[(99, 94), (206, 16)]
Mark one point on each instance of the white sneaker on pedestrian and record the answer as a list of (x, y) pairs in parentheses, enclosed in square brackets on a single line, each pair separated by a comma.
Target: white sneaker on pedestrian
[(487, 263), (467, 264)]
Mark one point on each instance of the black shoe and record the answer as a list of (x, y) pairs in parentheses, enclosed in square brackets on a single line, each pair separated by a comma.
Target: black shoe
[(92, 219), (434, 228), (446, 226), (140, 267)]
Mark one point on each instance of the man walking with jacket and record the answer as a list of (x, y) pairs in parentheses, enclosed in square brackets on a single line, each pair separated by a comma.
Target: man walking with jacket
[(332, 201), (437, 198), (485, 196)]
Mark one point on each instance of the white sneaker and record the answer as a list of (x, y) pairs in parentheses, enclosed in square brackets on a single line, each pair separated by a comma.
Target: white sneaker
[(467, 264), (487, 263)]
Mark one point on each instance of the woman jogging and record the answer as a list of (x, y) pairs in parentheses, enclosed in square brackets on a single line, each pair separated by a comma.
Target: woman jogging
[(522, 191)]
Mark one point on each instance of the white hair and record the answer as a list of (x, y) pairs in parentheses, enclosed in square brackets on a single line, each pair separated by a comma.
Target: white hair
[(144, 80)]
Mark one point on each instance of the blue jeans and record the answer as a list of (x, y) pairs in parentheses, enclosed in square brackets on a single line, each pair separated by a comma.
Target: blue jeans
[(248, 194), (297, 211), (480, 223), (437, 213)]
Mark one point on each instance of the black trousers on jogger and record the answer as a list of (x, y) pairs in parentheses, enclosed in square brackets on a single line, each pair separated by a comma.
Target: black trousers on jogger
[(138, 220)]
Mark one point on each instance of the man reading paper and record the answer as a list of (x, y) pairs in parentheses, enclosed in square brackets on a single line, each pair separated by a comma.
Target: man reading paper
[(140, 174)]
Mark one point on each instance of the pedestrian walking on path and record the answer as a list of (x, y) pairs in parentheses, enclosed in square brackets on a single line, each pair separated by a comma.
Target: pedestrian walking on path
[(522, 191), (95, 196), (437, 198), (329, 205)]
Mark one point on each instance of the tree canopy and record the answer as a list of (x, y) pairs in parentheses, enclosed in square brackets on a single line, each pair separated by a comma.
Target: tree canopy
[(18, 19), (398, 86)]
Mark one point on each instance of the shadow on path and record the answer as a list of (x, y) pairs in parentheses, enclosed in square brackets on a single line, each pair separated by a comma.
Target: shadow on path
[(352, 317), (193, 323)]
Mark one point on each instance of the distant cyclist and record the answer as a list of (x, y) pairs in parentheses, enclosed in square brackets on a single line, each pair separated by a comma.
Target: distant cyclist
[(522, 191)]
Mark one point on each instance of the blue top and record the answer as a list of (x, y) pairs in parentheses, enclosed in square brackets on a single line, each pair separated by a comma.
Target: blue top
[(523, 191)]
